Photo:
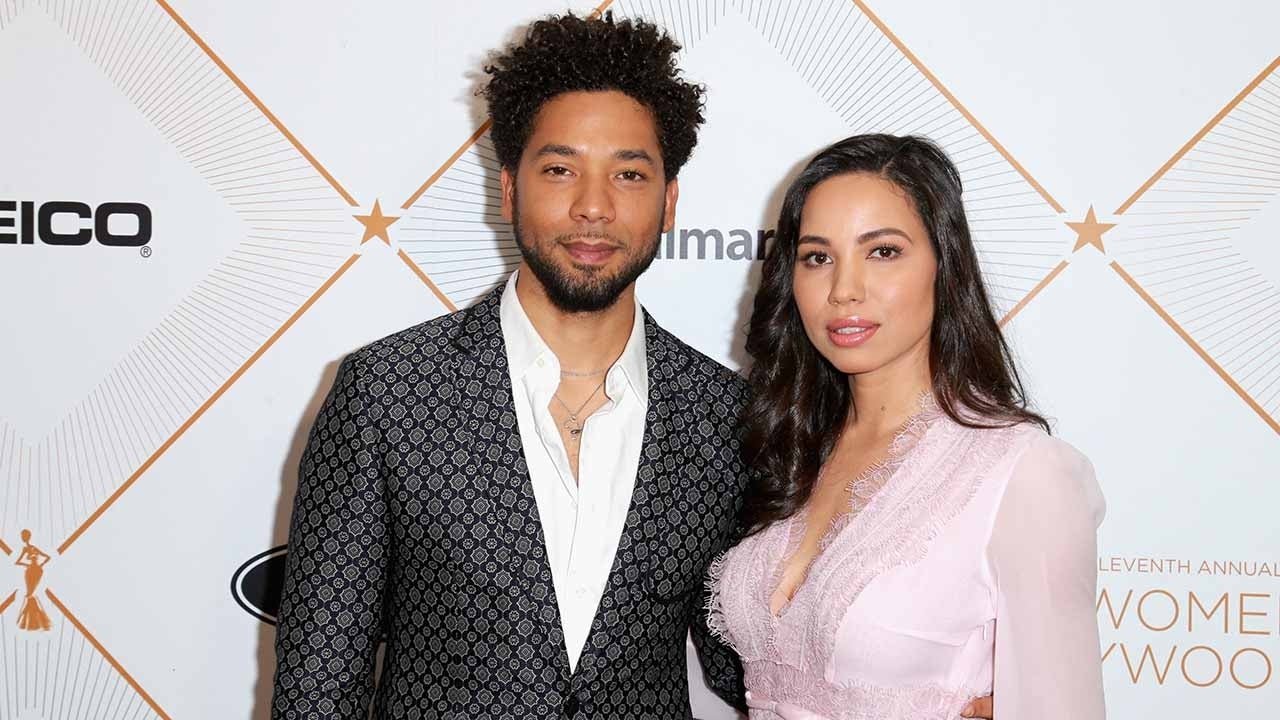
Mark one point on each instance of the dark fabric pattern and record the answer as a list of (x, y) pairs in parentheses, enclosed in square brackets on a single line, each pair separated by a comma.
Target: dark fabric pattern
[(415, 515)]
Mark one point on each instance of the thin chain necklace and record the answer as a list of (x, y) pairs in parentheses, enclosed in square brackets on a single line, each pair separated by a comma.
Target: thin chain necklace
[(572, 425), (574, 373)]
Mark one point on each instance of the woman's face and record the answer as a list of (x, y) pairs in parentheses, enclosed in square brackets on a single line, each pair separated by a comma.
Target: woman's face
[(864, 272)]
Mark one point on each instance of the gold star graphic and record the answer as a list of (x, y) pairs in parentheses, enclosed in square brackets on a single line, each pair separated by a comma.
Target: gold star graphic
[(376, 224), (1090, 231)]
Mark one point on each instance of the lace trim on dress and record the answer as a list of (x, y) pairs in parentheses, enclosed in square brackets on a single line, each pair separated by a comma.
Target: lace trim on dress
[(741, 567), (896, 532), (932, 471), (868, 483), (713, 609), (759, 551), (855, 701)]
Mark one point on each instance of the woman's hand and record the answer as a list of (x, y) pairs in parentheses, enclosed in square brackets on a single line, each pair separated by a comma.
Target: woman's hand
[(980, 708)]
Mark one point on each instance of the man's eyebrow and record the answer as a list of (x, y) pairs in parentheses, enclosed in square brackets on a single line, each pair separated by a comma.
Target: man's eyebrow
[(634, 155), (554, 149)]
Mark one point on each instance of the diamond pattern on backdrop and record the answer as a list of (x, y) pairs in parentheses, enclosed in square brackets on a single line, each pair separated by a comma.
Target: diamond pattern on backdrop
[(1198, 243), (297, 232)]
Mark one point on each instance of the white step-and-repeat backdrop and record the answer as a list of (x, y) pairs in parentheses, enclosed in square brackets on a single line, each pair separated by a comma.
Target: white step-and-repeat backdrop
[(203, 206)]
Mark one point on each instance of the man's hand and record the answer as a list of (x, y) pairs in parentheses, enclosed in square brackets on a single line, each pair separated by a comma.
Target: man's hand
[(980, 708)]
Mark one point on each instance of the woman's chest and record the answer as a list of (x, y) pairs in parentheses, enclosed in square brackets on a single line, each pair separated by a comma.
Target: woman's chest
[(906, 577)]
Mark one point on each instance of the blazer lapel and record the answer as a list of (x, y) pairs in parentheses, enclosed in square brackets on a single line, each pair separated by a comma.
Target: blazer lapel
[(667, 460), (483, 379)]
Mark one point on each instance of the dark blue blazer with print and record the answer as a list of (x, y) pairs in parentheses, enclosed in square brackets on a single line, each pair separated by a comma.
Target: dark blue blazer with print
[(415, 521)]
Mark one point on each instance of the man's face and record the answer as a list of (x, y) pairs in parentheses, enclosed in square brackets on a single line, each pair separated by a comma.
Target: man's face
[(589, 199)]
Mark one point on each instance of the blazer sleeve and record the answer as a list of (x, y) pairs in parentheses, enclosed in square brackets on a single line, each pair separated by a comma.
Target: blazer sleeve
[(1048, 664), (721, 666), (336, 568)]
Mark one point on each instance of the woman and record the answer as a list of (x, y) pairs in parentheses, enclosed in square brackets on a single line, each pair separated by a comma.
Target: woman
[(917, 539)]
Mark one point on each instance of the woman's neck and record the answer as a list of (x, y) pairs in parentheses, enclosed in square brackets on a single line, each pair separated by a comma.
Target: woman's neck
[(883, 400)]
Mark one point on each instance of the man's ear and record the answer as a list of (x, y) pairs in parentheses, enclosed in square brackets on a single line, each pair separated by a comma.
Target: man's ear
[(508, 181), (673, 194)]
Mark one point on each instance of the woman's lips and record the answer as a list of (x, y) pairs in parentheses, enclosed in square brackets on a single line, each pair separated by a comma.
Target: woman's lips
[(850, 332)]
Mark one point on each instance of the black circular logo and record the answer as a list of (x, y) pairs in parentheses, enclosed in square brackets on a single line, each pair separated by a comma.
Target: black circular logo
[(257, 584)]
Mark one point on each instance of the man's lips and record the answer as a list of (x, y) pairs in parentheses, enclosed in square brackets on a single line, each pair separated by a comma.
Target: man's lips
[(851, 332), (590, 253)]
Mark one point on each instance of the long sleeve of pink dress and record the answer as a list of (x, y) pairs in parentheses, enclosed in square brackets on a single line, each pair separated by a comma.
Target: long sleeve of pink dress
[(965, 566)]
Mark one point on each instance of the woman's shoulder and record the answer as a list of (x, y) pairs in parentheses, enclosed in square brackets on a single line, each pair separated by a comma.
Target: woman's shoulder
[(1047, 454), (1034, 462), (997, 440), (1049, 472), (1021, 440)]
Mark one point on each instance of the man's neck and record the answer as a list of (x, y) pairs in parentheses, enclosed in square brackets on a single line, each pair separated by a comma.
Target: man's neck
[(582, 342)]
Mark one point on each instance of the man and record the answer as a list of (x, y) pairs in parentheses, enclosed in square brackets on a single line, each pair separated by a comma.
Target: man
[(525, 496)]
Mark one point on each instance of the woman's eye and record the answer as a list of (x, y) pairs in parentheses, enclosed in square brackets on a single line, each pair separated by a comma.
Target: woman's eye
[(886, 252), (816, 258)]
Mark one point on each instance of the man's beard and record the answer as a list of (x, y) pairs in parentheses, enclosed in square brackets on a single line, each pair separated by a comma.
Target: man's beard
[(571, 294)]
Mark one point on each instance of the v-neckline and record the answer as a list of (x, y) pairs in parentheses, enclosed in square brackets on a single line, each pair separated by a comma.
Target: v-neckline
[(880, 473)]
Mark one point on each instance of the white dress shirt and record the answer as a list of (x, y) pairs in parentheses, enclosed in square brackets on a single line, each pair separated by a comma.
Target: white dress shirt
[(582, 521)]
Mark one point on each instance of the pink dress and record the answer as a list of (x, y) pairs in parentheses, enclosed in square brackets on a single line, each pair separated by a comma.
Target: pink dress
[(965, 566)]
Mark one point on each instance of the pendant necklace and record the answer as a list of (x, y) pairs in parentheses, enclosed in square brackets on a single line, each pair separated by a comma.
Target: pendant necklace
[(572, 425)]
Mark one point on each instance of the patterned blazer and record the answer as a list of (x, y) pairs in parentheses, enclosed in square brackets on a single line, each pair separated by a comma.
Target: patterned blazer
[(415, 518)]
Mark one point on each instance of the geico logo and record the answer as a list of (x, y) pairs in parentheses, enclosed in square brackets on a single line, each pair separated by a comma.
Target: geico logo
[(71, 223)]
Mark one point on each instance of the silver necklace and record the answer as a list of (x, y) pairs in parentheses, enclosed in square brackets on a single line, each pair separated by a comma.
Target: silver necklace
[(574, 373), (572, 425)]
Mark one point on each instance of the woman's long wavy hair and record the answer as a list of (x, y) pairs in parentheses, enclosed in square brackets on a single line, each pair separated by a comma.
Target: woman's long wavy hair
[(800, 402)]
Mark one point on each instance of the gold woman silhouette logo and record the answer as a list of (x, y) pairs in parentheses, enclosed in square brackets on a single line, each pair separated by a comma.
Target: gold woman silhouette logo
[(32, 617)]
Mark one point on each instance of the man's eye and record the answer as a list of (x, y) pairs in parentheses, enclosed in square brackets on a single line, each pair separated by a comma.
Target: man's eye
[(631, 175), (557, 170)]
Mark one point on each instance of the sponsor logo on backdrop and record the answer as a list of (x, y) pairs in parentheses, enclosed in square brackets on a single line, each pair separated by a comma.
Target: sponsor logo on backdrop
[(1178, 623), (256, 585), (31, 616), (71, 223), (714, 244)]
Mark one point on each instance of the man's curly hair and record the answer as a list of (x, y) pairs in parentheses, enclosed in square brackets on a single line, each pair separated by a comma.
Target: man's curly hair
[(567, 53)]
